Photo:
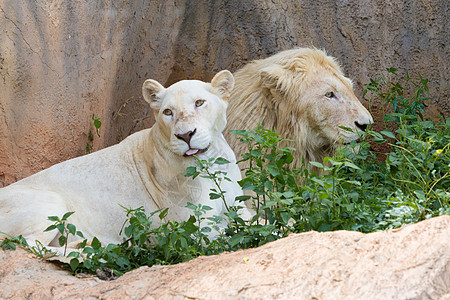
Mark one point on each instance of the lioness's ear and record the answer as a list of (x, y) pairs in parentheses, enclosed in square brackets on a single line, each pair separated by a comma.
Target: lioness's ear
[(223, 82), (150, 90)]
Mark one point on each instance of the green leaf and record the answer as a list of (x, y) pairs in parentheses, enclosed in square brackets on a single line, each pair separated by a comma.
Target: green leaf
[(190, 171), (213, 196), (378, 138), (285, 216), (323, 195), (74, 263), (122, 262), (50, 228), (221, 161), (351, 165), (236, 239), (97, 123), (255, 153), (62, 240), (346, 128), (163, 213), (316, 164), (246, 185), (67, 215), (96, 243), (83, 244), (191, 206), (88, 250), (392, 70), (388, 133), (206, 207), (128, 231), (239, 132), (273, 171), (53, 218), (183, 242), (60, 228), (72, 229), (73, 254), (8, 245), (242, 198), (206, 229)]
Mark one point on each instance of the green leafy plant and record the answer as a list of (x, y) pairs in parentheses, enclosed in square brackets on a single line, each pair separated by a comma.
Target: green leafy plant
[(65, 229), (203, 168), (96, 124), (11, 243)]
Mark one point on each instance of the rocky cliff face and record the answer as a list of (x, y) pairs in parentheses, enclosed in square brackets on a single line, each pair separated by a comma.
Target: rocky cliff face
[(62, 61), (408, 263)]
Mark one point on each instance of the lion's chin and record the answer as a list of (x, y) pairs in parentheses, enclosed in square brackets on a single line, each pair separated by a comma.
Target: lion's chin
[(193, 151)]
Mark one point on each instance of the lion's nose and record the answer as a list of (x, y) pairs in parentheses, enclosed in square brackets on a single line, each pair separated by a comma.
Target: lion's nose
[(362, 127), (186, 136)]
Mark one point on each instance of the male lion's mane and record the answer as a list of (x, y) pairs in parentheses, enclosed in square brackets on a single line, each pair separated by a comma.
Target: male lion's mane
[(269, 91)]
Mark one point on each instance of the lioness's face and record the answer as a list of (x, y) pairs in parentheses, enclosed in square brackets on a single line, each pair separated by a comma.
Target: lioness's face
[(333, 105), (190, 114)]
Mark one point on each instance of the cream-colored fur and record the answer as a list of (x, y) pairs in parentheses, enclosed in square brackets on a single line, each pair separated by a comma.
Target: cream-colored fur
[(304, 96), (146, 169)]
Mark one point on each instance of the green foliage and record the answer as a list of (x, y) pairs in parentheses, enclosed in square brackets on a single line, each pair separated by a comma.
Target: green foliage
[(203, 168), (65, 229), (96, 124), (11, 243), (144, 243), (355, 190)]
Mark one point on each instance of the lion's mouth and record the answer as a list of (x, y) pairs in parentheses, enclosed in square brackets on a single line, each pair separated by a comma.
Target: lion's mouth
[(193, 151)]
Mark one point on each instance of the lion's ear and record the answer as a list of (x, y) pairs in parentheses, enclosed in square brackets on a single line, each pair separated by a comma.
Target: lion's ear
[(277, 79), (270, 76), (150, 90), (223, 82)]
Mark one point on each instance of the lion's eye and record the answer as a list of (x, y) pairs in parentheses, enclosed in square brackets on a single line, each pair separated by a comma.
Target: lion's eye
[(329, 95), (167, 112), (199, 103)]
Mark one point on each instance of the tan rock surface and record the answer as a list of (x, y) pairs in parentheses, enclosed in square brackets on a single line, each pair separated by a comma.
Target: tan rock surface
[(408, 263), (63, 60)]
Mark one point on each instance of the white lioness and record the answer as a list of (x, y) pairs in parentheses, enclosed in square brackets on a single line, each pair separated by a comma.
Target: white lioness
[(303, 95), (146, 169)]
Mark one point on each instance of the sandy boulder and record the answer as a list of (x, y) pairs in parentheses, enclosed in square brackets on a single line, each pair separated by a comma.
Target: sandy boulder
[(412, 262)]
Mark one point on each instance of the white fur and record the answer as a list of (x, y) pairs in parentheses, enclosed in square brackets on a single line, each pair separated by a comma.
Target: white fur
[(146, 169)]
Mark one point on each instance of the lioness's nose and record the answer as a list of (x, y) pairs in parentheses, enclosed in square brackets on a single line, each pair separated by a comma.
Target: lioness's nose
[(362, 127), (186, 136)]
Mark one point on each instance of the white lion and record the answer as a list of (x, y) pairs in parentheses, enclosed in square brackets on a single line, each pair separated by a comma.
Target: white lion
[(146, 169), (303, 95)]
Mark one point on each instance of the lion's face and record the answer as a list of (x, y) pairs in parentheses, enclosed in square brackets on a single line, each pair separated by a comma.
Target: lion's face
[(303, 95), (314, 101), (189, 114), (330, 105)]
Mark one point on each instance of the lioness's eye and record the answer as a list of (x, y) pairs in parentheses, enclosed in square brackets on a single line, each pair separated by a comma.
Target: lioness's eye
[(329, 95), (167, 112), (199, 103)]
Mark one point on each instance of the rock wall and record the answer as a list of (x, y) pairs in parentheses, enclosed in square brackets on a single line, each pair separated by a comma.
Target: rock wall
[(62, 60)]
